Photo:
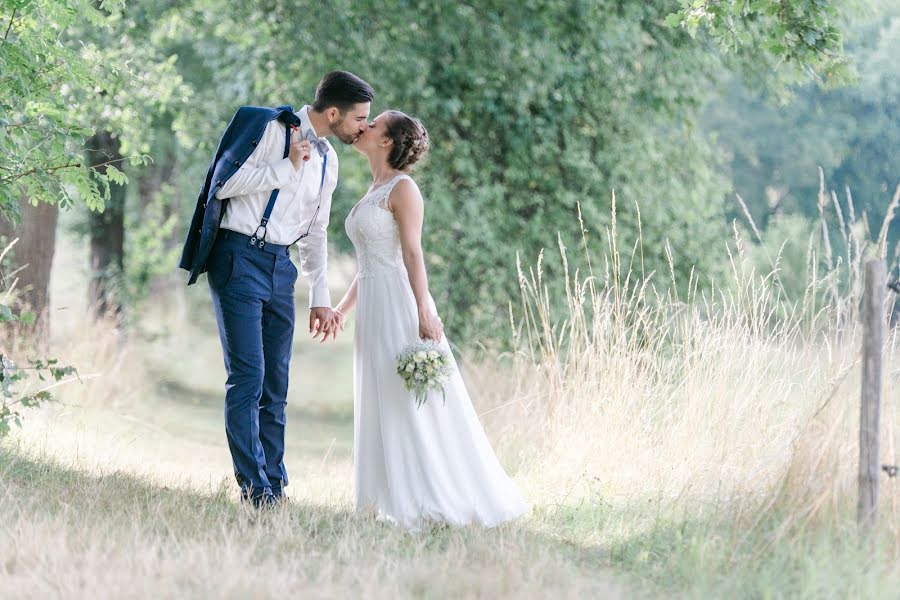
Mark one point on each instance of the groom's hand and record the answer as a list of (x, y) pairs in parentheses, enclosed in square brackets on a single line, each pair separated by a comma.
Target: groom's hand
[(321, 321), (299, 151)]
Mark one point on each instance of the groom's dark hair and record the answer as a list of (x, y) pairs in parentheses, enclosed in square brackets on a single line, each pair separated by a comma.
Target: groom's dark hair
[(342, 90)]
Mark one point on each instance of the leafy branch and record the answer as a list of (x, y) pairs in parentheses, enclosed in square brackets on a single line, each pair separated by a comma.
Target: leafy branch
[(798, 37), (47, 169), (13, 375)]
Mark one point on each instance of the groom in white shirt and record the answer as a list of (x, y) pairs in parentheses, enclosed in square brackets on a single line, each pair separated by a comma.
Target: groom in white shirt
[(281, 194)]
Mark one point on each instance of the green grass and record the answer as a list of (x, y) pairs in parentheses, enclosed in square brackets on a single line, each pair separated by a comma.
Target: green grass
[(717, 557)]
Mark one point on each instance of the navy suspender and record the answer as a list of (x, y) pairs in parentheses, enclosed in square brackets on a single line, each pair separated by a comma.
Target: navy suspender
[(260, 240), (272, 197)]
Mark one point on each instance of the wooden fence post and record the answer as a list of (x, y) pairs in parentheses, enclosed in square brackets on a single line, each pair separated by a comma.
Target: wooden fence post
[(870, 398)]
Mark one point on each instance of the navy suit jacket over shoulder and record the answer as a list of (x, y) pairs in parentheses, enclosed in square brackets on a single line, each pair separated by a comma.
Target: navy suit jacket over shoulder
[(237, 144)]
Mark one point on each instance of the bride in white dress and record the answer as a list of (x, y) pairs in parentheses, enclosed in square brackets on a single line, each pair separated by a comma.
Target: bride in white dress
[(412, 466)]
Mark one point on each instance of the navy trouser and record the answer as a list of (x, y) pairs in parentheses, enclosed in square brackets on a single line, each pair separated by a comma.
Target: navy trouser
[(253, 296)]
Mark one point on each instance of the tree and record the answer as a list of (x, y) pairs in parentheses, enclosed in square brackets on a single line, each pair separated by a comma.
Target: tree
[(33, 256), (123, 115), (776, 42), (531, 112), (41, 134), (533, 109), (852, 132), (106, 228)]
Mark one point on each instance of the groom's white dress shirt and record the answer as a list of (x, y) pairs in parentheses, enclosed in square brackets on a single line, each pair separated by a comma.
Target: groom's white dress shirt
[(266, 170)]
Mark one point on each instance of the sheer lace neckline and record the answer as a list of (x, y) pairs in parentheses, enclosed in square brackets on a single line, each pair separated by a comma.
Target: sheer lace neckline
[(374, 193)]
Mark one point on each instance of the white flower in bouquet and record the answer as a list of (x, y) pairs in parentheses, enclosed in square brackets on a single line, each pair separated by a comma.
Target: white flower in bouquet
[(424, 367)]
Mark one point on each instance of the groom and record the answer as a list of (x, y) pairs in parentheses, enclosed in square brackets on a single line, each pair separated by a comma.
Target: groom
[(269, 186)]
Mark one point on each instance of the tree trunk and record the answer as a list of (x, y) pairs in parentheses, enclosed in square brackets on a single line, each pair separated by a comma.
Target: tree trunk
[(33, 253), (107, 232)]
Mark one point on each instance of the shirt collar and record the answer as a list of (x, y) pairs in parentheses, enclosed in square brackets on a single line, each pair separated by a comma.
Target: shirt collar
[(305, 123)]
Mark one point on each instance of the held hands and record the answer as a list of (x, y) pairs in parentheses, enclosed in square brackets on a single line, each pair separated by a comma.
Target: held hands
[(325, 321), (430, 326), (339, 317), (299, 151)]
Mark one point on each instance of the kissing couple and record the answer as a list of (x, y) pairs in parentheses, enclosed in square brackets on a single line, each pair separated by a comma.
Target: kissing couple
[(270, 186)]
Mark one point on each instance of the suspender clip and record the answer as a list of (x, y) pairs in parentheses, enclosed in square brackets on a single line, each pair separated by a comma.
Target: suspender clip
[(257, 239)]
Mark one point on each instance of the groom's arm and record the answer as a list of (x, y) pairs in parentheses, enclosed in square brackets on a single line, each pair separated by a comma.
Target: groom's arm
[(264, 170), (314, 247)]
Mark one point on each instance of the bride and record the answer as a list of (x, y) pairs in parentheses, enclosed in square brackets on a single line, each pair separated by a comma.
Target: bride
[(412, 466)]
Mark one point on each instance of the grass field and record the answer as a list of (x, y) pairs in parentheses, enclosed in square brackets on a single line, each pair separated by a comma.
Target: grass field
[(715, 461)]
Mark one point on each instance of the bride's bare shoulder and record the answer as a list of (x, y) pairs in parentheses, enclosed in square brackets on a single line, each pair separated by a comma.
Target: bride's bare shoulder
[(404, 193)]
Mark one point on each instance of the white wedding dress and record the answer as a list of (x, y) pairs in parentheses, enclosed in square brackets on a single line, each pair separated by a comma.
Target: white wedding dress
[(412, 466)]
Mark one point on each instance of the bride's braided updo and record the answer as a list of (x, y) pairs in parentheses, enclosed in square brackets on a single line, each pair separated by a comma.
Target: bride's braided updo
[(410, 140)]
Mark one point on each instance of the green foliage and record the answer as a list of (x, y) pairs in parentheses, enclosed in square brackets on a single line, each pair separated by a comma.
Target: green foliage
[(141, 86), (69, 68), (530, 112), (8, 316), (126, 113), (40, 126), (774, 151), (789, 243), (13, 396), (13, 377), (781, 41), (149, 252)]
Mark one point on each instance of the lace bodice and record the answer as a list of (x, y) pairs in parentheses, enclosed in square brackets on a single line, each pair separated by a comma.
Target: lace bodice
[(374, 232)]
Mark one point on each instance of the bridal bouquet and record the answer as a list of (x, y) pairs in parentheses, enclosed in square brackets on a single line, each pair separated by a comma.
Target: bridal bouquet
[(424, 366)]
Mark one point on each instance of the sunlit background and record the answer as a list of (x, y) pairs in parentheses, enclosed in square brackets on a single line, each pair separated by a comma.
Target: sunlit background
[(645, 230)]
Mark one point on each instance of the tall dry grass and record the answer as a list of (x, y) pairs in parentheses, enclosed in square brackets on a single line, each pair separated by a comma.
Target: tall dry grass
[(739, 401)]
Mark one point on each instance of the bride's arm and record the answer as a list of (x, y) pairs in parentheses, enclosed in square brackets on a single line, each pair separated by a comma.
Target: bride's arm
[(348, 302), (409, 211)]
